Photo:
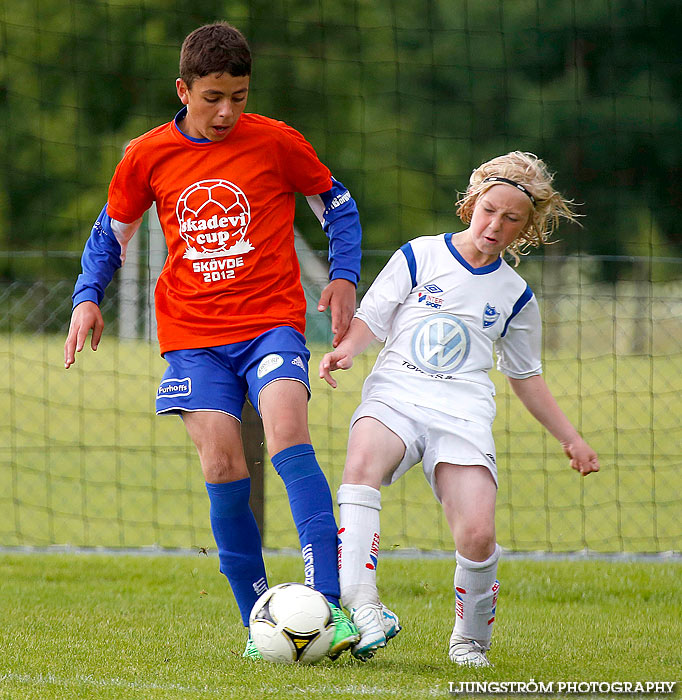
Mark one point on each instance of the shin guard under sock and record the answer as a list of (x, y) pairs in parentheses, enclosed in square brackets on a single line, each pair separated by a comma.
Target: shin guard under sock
[(311, 506), (359, 534), (239, 543), (476, 588)]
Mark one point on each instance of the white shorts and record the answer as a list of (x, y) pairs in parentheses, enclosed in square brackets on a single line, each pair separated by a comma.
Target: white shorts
[(431, 437)]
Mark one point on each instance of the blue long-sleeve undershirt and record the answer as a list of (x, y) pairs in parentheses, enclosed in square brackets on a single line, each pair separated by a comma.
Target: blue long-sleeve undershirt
[(101, 258), (341, 223)]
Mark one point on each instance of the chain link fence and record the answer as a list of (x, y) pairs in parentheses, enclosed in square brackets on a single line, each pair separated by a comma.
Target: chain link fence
[(85, 462)]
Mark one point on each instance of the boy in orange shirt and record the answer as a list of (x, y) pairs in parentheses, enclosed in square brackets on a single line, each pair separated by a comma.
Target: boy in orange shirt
[(229, 302)]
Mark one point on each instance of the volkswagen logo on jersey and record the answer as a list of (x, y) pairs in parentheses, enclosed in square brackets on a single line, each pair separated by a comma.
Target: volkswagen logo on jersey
[(441, 343), (489, 316), (213, 216)]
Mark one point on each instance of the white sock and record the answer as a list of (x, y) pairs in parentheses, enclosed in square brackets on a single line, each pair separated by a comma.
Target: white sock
[(476, 587), (359, 531)]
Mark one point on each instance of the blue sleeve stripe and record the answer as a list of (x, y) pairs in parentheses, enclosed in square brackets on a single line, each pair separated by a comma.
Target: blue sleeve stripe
[(411, 262), (520, 303)]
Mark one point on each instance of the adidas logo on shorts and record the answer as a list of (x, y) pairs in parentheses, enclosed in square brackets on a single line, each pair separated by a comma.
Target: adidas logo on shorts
[(298, 362)]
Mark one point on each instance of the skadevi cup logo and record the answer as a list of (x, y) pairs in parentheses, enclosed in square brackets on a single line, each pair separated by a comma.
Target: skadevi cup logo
[(213, 216)]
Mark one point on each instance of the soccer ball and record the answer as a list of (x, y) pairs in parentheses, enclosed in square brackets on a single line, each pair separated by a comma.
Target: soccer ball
[(292, 623)]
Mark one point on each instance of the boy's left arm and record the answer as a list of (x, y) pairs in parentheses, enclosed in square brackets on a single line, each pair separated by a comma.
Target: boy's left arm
[(338, 214), (339, 295), (538, 399)]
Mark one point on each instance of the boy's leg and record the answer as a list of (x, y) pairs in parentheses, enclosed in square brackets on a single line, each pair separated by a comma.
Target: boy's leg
[(359, 535), (217, 437), (476, 588), (468, 496), (373, 450), (284, 408)]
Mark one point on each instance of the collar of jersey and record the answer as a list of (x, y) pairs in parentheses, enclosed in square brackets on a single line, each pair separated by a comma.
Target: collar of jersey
[(486, 269), (176, 123)]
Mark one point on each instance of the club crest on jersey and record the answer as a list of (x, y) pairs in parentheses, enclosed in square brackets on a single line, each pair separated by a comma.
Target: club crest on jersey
[(213, 216), (490, 315), (441, 343)]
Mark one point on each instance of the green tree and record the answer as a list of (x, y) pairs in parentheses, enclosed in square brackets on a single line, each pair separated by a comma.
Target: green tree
[(401, 100)]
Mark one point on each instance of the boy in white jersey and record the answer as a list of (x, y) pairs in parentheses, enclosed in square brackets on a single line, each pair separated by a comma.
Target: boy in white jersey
[(440, 306)]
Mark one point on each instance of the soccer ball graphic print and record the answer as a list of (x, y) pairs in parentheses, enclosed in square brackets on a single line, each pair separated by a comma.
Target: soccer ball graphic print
[(213, 216), (292, 623)]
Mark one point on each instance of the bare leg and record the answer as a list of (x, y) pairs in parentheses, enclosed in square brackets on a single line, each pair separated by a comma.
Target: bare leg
[(217, 437), (468, 495)]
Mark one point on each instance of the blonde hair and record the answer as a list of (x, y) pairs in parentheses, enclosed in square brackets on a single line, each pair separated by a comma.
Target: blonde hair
[(532, 174)]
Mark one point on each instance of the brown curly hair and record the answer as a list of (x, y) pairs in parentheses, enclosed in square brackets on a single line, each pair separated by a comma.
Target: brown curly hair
[(532, 173), (214, 48)]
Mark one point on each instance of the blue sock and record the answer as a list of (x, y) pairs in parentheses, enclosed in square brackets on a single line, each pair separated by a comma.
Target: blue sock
[(311, 506), (239, 543)]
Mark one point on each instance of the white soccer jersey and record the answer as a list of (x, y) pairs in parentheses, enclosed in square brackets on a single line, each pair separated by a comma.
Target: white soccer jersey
[(440, 318)]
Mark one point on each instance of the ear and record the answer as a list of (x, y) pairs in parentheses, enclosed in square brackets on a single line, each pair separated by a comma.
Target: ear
[(182, 90)]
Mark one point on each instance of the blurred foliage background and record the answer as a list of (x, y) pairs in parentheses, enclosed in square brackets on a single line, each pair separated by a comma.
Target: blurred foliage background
[(400, 99)]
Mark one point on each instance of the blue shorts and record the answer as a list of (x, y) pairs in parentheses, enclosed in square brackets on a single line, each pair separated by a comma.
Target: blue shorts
[(219, 378)]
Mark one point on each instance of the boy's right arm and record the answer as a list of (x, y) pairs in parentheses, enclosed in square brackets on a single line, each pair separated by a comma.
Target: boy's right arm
[(85, 317), (358, 337), (104, 253)]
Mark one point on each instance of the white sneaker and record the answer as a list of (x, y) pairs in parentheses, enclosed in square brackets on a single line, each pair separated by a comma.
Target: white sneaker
[(377, 625), (467, 652)]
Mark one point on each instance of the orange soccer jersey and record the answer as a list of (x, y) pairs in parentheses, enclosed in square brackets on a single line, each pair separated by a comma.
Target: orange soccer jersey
[(227, 212)]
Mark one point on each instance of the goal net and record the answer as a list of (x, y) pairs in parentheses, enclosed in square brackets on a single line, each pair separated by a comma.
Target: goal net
[(401, 100)]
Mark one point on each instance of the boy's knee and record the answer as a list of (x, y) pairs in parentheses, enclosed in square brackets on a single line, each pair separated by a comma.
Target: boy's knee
[(361, 469), (221, 469), (283, 434), (476, 541), (286, 429)]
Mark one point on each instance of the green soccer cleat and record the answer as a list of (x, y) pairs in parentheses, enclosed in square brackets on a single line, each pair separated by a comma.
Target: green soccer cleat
[(345, 633), (251, 652)]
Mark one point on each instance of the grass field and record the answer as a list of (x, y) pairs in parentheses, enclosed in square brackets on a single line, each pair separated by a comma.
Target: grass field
[(84, 461), (122, 627)]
